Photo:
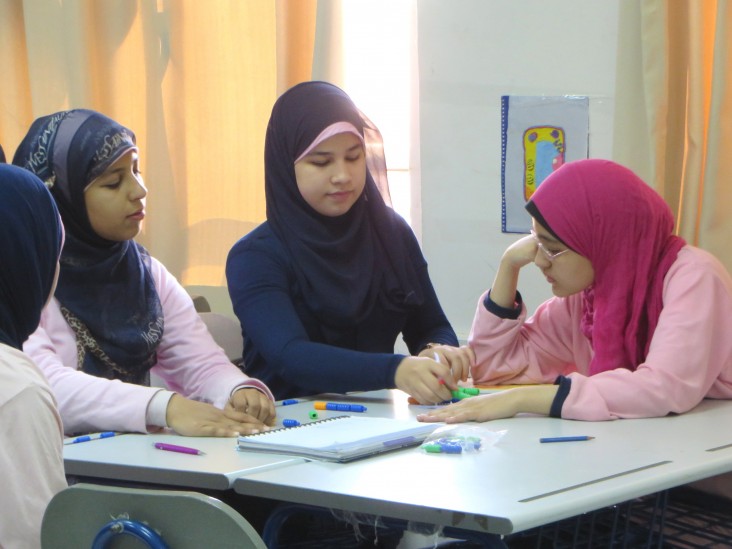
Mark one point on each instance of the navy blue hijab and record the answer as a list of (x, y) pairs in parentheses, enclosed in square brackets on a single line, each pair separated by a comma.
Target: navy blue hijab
[(345, 265), (105, 288), (30, 234)]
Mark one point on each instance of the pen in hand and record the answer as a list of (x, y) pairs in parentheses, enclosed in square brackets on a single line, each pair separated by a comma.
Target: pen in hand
[(179, 449), (439, 361)]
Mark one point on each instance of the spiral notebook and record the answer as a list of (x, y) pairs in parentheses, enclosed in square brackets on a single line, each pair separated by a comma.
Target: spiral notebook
[(340, 438)]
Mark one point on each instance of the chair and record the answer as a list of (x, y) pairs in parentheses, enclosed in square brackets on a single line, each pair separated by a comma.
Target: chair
[(200, 303), (226, 331), (227, 335), (101, 517)]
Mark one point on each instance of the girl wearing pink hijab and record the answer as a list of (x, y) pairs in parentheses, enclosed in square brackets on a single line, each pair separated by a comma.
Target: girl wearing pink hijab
[(638, 326)]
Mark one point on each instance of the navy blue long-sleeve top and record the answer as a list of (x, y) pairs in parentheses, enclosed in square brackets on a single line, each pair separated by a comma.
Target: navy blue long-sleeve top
[(284, 344)]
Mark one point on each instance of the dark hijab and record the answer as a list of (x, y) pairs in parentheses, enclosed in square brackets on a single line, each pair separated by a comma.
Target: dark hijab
[(105, 289), (344, 265), (30, 234)]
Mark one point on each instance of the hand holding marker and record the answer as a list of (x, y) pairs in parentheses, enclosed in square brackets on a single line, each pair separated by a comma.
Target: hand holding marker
[(457, 395)]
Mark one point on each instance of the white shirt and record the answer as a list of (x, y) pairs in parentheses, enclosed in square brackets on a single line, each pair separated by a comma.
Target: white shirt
[(31, 450)]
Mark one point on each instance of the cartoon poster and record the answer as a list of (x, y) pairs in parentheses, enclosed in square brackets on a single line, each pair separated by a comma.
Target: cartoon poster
[(539, 134)]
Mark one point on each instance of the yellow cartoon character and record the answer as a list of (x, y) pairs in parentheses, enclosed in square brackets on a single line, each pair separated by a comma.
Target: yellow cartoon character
[(544, 148)]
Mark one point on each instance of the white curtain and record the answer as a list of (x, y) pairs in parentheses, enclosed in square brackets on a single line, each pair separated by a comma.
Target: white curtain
[(194, 80)]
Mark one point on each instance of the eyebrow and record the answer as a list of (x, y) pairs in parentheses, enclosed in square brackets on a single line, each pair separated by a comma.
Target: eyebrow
[(326, 153), (135, 160), (549, 239)]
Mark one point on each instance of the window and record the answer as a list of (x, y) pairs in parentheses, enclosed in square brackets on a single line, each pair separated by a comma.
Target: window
[(378, 37)]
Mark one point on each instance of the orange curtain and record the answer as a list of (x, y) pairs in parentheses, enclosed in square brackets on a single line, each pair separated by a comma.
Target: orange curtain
[(194, 80), (674, 110)]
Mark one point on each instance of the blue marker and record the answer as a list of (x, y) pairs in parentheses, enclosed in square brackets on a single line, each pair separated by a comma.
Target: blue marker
[(87, 438), (566, 439), (339, 407)]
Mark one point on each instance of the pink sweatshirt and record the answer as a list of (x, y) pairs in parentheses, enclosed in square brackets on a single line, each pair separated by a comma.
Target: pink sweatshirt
[(189, 361), (690, 356)]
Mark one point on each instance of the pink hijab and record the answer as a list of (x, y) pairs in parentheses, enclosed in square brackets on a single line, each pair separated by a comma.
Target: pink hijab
[(607, 214)]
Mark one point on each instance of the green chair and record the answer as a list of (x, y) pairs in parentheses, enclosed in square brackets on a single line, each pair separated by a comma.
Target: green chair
[(105, 517)]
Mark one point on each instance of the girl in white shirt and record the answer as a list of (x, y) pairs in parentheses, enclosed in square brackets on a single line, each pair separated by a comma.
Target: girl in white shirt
[(31, 461)]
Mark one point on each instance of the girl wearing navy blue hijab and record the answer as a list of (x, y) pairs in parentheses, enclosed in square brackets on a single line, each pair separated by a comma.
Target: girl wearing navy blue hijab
[(31, 244), (31, 461), (117, 313), (325, 286)]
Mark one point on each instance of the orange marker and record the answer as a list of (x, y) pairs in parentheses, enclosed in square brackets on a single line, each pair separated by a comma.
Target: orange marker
[(337, 406)]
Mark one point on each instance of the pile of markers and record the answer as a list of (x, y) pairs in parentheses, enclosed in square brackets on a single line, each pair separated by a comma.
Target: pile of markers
[(452, 445), (457, 395), (464, 392), (319, 405)]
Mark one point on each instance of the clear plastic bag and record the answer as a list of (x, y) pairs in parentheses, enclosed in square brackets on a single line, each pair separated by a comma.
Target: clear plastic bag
[(459, 439)]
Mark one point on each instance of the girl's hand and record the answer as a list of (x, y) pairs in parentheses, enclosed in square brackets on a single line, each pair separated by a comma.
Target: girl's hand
[(199, 419), (254, 403), (458, 359), (428, 381), (517, 255), (534, 399), (520, 253)]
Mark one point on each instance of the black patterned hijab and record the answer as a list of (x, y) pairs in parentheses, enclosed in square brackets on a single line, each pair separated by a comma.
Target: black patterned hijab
[(347, 264), (105, 289)]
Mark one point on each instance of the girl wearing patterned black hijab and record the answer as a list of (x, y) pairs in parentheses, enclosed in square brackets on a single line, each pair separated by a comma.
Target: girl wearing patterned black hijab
[(105, 289), (118, 314)]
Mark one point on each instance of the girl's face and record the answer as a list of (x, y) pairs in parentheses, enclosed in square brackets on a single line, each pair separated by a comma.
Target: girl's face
[(332, 176), (115, 201), (569, 273)]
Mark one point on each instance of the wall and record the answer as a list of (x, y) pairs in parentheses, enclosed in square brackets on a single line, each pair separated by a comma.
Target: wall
[(471, 52)]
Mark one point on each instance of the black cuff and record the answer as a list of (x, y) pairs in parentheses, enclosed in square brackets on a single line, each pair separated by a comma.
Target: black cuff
[(503, 312), (565, 385)]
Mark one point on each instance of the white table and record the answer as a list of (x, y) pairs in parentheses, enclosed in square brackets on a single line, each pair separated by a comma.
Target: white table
[(132, 458), (517, 484)]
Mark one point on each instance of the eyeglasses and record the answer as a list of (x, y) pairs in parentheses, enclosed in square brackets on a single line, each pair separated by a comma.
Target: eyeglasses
[(549, 255)]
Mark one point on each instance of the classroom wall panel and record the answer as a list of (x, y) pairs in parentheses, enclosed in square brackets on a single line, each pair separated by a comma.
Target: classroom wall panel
[(471, 52)]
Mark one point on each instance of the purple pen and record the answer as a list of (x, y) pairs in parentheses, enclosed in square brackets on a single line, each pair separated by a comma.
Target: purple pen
[(176, 448)]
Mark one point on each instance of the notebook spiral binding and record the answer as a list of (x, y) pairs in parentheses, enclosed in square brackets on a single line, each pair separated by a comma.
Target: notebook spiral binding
[(324, 420)]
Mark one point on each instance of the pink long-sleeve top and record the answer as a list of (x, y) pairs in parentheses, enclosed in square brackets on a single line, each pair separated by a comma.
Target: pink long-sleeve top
[(690, 355), (188, 361)]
